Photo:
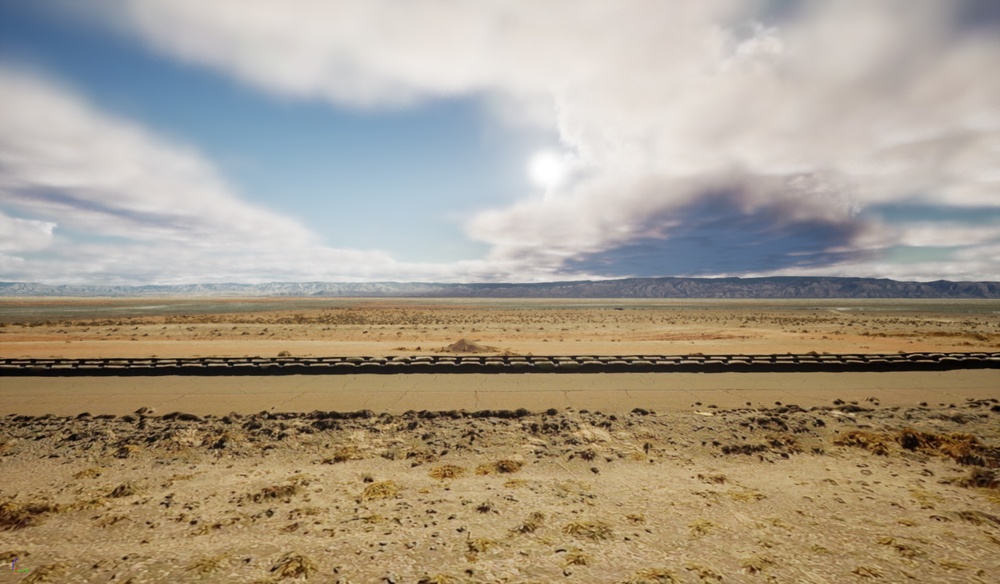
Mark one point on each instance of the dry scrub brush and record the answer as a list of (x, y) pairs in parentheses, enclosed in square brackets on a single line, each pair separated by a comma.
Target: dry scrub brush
[(448, 471), (652, 576), (592, 530), (499, 467), (381, 490), (531, 523), (293, 565), (14, 515)]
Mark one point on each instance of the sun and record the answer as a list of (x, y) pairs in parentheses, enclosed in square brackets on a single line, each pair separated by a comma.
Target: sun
[(547, 169)]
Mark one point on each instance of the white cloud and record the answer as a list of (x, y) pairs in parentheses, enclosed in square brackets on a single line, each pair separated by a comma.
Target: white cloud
[(776, 118), (20, 235), (141, 209), (815, 109)]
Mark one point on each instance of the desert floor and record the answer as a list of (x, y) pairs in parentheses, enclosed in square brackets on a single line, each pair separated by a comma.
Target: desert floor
[(657, 478), (349, 327), (839, 493)]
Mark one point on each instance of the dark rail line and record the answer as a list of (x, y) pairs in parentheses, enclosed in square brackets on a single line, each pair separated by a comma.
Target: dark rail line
[(500, 364)]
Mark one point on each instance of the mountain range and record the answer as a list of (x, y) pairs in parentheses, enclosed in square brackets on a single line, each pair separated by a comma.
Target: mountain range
[(771, 287)]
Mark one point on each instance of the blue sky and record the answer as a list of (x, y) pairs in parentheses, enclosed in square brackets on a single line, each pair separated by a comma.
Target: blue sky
[(175, 141)]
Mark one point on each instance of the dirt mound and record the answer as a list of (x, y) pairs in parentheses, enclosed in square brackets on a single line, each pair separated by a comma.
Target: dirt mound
[(465, 346)]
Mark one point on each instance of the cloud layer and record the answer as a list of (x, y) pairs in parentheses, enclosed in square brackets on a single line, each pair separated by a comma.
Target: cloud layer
[(711, 137)]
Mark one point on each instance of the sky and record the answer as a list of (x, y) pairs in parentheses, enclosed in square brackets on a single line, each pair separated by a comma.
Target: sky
[(250, 141)]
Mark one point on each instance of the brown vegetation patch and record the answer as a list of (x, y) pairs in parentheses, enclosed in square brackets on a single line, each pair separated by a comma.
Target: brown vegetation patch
[(293, 565), (448, 471), (592, 530), (14, 515), (126, 489), (276, 492), (88, 473), (960, 447), (381, 490), (652, 576), (344, 454), (531, 523), (208, 565), (982, 478), (871, 441), (437, 579), (499, 467)]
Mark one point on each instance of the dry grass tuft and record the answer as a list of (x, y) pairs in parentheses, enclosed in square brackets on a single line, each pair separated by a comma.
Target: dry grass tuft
[(746, 496), (209, 564), (48, 573), (437, 579), (701, 527), (716, 479), (447, 471), (904, 549), (480, 544), (978, 517), (88, 473), (344, 454), (756, 564), (531, 523), (576, 557), (962, 448), (867, 572), (875, 443), (293, 565), (275, 492), (126, 489), (592, 530), (704, 572), (14, 515), (499, 467), (652, 576), (381, 490), (982, 478), (7, 556), (515, 483)]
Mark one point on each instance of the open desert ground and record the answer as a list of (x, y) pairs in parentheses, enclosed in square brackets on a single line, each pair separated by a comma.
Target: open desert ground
[(591, 478), (334, 327)]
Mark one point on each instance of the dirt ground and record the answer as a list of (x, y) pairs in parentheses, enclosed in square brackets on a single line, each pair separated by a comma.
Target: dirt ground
[(880, 477), (39, 327), (840, 493)]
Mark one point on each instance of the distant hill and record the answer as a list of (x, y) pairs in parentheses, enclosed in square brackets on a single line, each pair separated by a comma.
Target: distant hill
[(776, 287)]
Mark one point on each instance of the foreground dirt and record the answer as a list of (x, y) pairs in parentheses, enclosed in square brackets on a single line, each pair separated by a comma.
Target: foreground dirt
[(389, 327), (839, 493)]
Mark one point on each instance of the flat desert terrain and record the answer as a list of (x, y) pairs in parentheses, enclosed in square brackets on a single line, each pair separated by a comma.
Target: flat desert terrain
[(348, 327), (430, 479)]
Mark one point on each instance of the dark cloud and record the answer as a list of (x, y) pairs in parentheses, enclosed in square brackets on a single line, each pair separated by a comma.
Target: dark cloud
[(718, 234)]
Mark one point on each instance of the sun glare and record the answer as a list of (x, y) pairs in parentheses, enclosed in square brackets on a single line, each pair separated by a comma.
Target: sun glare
[(547, 169)]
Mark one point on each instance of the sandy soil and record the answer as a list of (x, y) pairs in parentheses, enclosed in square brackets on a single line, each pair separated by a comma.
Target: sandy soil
[(410, 327), (833, 494), (396, 394), (634, 478)]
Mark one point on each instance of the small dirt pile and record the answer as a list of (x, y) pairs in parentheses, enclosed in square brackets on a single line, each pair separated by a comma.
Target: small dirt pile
[(465, 346)]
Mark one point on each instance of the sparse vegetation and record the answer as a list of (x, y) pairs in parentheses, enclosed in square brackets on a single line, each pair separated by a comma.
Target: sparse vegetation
[(504, 466), (653, 576), (293, 565), (531, 523), (592, 530), (447, 471), (380, 490)]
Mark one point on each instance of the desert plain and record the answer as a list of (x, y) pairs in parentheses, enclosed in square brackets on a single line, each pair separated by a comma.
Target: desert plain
[(656, 477)]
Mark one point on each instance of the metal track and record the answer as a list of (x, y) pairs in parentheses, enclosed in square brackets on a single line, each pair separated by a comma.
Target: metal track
[(484, 364)]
